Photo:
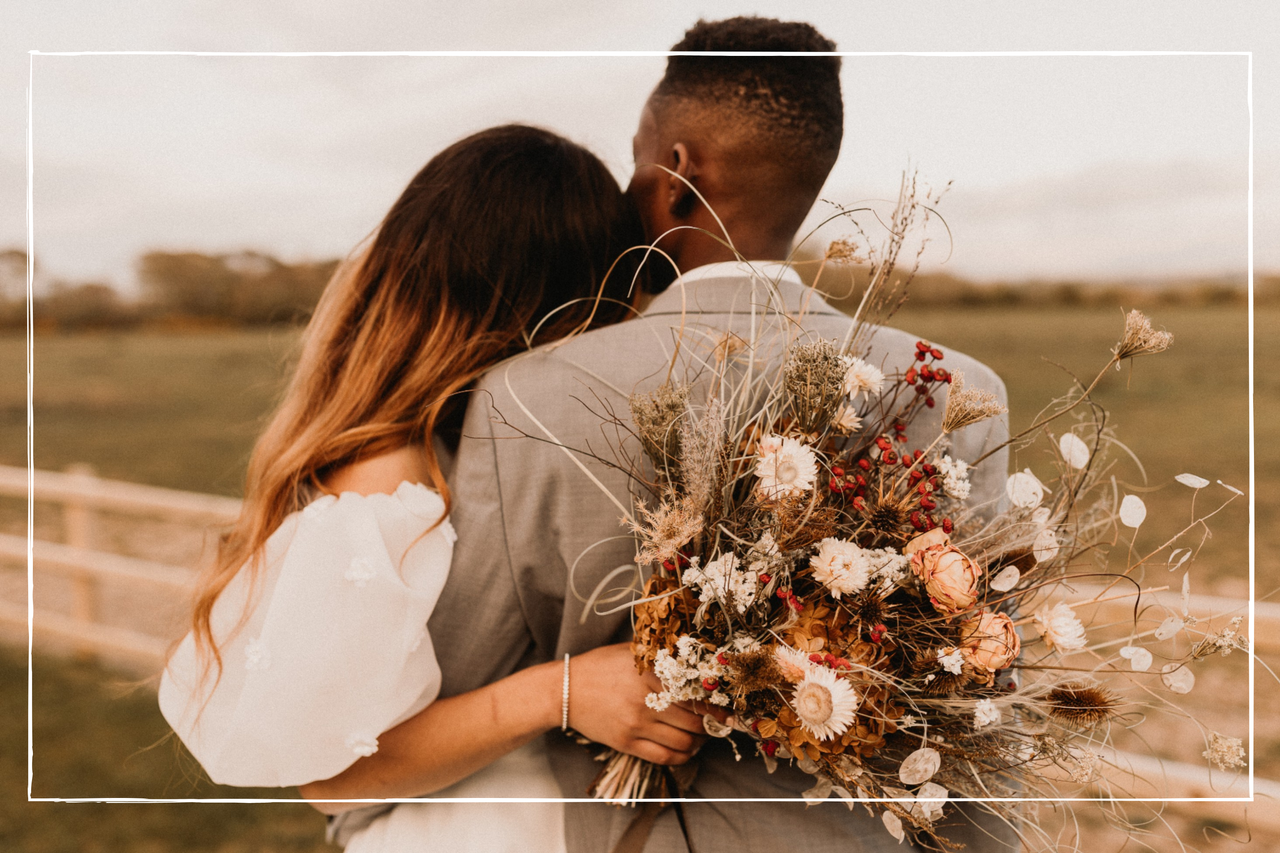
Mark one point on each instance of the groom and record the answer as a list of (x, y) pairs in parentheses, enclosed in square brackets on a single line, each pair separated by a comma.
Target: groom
[(538, 525)]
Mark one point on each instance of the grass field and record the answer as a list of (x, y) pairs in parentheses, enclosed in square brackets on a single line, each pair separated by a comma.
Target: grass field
[(181, 410), (95, 735)]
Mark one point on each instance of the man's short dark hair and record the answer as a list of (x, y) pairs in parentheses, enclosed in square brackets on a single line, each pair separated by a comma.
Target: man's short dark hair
[(793, 101)]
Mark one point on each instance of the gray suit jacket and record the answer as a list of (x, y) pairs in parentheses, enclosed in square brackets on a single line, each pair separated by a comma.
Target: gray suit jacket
[(536, 535)]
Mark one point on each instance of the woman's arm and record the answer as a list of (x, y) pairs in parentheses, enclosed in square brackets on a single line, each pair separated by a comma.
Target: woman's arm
[(454, 737)]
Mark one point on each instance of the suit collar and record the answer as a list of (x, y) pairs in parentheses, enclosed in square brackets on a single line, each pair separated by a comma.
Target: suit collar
[(735, 287)]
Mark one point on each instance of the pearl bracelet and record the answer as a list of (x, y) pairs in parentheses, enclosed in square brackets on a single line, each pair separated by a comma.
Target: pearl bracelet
[(564, 699)]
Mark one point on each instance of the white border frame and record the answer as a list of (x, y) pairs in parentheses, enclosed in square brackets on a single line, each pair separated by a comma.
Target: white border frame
[(623, 53)]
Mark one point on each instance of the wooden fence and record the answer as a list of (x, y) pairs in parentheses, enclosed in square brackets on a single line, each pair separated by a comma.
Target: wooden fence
[(82, 497)]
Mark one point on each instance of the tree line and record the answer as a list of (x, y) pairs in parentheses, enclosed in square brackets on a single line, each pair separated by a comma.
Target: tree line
[(183, 289), (190, 289)]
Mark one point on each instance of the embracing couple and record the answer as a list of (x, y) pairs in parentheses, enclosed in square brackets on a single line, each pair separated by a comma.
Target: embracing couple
[(399, 610)]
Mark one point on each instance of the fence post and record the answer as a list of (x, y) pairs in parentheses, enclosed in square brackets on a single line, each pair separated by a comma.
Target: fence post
[(78, 524)]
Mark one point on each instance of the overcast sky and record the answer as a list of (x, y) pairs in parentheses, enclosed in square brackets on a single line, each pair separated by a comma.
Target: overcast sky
[(1062, 166)]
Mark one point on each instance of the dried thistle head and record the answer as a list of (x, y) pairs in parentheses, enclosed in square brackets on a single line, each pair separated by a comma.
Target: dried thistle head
[(870, 609), (1081, 705), (939, 681), (967, 406), (888, 514), (844, 251), (656, 414), (814, 379), (1139, 338), (754, 671), (664, 530)]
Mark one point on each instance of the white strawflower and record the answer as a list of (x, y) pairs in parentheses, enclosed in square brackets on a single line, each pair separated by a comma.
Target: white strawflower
[(825, 703), (793, 662), (847, 420), (1059, 628), (785, 467), (955, 477), (985, 713), (860, 376), (841, 566), (952, 660)]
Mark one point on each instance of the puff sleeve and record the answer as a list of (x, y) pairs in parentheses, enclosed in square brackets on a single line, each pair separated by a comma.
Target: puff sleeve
[(326, 650)]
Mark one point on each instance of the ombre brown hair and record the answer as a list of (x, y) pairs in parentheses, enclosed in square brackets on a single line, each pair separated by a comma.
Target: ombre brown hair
[(502, 242)]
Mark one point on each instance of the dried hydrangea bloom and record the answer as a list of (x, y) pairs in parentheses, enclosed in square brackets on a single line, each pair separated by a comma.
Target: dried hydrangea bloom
[(1139, 338), (968, 406)]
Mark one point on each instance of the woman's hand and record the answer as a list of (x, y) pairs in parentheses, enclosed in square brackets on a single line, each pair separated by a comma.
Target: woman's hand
[(607, 704)]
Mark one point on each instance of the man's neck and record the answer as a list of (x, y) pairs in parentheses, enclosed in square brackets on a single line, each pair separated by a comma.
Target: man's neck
[(700, 252)]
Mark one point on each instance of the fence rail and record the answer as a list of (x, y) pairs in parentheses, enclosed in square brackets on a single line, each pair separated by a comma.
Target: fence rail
[(81, 495)]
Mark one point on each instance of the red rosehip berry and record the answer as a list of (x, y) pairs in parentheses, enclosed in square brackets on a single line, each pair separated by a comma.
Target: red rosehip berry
[(859, 504), (922, 355), (910, 376), (815, 658), (935, 352), (902, 438), (927, 502), (900, 427), (922, 346), (947, 525), (765, 577), (837, 471), (710, 684), (770, 747), (864, 464), (928, 401), (836, 485), (890, 458)]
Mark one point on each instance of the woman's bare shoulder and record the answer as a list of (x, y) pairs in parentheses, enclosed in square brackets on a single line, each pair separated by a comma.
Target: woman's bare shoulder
[(382, 474)]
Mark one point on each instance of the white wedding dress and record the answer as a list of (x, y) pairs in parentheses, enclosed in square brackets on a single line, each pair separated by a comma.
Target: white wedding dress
[(333, 652)]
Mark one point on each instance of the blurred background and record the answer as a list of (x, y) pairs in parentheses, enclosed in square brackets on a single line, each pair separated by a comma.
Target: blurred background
[(189, 209)]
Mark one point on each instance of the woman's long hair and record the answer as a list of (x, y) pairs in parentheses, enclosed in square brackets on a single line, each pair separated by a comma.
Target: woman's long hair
[(493, 235)]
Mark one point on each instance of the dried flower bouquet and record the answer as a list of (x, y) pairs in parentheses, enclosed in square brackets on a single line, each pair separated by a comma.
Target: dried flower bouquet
[(819, 571)]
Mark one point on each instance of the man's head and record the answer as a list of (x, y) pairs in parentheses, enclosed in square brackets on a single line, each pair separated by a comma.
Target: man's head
[(756, 135)]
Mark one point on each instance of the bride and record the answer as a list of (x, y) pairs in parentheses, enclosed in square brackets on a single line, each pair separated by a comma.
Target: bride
[(308, 663)]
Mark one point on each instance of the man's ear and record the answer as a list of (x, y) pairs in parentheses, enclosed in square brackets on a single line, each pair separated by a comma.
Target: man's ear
[(680, 197)]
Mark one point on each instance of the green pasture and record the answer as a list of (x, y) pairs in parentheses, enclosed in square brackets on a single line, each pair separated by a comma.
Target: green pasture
[(95, 734)]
